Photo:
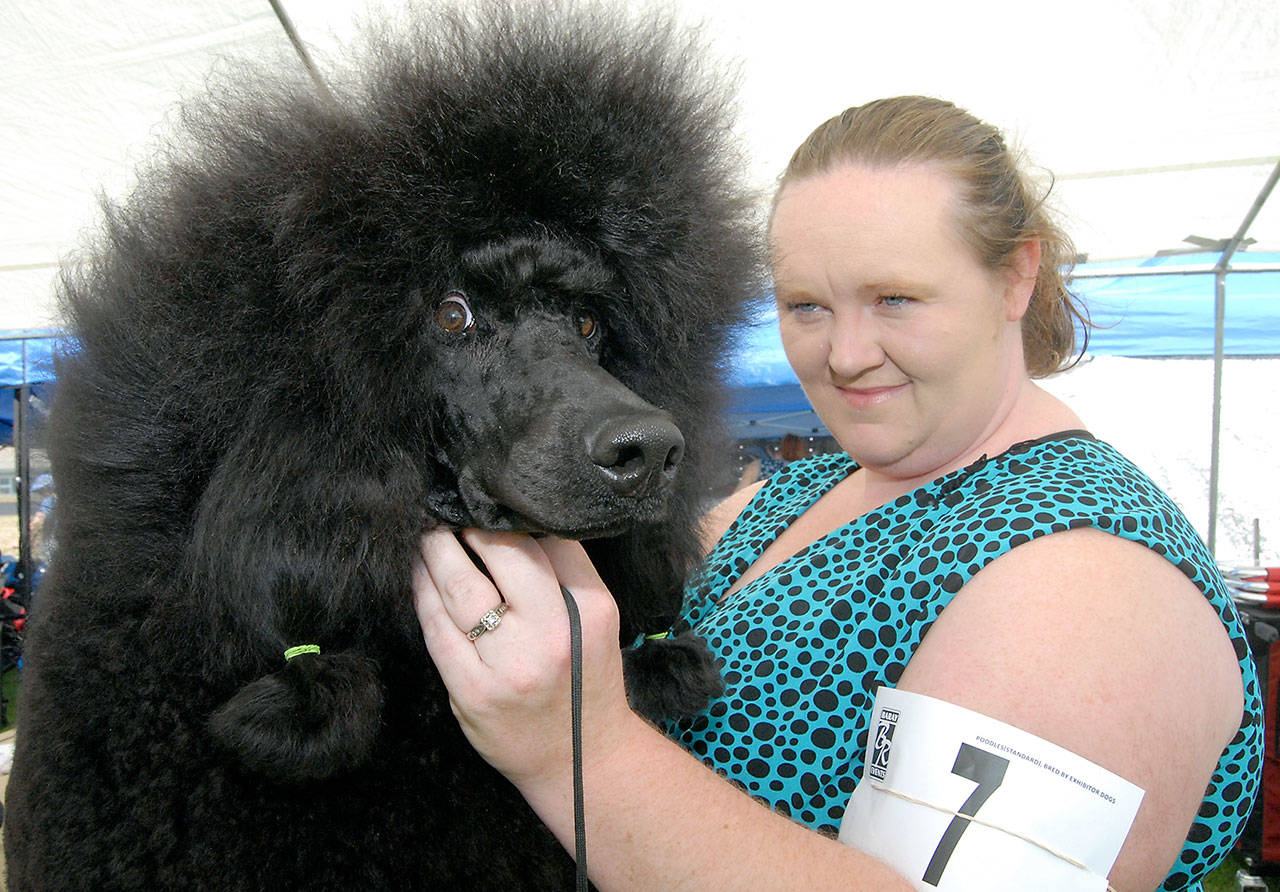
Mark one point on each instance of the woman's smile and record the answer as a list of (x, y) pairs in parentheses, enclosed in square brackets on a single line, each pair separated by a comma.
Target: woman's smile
[(864, 397)]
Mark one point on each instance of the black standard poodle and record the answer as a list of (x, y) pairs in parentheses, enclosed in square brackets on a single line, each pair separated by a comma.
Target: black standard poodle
[(487, 280)]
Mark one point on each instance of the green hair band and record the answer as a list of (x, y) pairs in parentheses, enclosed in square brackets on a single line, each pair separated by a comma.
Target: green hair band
[(301, 649), (657, 636)]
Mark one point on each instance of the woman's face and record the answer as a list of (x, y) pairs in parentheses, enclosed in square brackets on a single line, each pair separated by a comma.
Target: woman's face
[(907, 346)]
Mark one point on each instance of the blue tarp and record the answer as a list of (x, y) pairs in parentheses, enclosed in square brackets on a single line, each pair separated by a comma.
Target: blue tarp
[(8, 403), (1172, 315), (23, 360)]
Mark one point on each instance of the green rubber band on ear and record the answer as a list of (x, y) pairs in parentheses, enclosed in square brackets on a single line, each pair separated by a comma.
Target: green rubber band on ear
[(301, 649), (658, 636)]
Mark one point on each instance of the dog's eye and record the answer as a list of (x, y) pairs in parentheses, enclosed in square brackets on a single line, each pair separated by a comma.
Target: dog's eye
[(586, 324), (453, 314)]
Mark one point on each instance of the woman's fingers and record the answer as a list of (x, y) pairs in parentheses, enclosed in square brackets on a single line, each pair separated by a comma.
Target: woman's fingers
[(521, 579), (510, 687), (501, 587), (466, 593), (570, 563), (453, 654), (521, 570)]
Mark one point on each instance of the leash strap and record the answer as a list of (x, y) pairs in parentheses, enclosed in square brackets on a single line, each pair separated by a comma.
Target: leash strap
[(575, 707)]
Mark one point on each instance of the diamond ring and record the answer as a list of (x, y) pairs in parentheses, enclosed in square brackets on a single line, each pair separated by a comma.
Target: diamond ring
[(488, 622)]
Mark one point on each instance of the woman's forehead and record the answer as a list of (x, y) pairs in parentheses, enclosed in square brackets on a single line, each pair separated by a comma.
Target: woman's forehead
[(918, 192), (855, 211)]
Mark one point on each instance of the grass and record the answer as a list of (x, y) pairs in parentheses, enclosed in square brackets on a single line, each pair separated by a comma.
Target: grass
[(1224, 878)]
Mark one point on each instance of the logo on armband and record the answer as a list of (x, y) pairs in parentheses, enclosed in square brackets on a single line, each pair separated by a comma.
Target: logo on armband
[(883, 740)]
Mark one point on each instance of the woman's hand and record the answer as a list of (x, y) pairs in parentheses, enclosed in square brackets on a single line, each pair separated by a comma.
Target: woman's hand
[(509, 688)]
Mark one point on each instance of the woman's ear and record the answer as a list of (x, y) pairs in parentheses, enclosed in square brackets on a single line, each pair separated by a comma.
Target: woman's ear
[(1024, 266)]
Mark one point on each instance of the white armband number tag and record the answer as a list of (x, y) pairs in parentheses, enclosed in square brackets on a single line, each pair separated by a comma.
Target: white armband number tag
[(955, 800)]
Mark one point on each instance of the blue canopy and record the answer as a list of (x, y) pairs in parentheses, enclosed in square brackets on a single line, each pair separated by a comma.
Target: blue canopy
[(765, 397), (1173, 315), (24, 359)]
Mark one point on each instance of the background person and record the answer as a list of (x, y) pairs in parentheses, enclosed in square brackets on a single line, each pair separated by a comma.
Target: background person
[(765, 461), (42, 523), (919, 293)]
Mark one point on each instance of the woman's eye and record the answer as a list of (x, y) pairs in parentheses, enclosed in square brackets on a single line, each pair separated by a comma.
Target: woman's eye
[(894, 300), (453, 314), (803, 308), (586, 325)]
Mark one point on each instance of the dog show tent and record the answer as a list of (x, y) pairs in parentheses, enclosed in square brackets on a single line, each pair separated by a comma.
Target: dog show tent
[(1160, 120)]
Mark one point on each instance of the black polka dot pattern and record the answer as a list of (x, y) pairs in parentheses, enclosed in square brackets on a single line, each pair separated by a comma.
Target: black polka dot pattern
[(804, 648)]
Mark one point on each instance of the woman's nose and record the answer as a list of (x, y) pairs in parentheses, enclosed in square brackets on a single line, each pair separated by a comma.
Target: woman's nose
[(855, 348)]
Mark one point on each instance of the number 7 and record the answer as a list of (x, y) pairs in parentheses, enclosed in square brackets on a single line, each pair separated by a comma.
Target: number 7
[(987, 770)]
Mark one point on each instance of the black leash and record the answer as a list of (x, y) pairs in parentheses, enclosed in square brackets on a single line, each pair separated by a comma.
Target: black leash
[(575, 707)]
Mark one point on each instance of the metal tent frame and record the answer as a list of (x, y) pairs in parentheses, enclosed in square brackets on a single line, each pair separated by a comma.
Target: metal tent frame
[(1219, 270)]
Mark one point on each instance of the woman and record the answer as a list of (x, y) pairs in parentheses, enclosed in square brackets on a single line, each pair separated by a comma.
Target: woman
[(919, 293)]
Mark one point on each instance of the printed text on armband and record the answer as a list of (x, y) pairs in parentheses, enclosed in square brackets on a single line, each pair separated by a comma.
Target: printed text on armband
[(1082, 784), (1039, 764), (1004, 748)]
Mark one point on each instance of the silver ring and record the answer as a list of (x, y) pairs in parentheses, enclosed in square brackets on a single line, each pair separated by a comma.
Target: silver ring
[(488, 622)]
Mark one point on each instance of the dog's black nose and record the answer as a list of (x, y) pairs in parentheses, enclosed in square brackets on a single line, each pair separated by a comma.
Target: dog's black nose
[(636, 453)]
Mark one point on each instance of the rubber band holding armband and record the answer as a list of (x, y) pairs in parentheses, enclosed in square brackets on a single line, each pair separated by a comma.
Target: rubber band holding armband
[(1014, 833), (300, 649)]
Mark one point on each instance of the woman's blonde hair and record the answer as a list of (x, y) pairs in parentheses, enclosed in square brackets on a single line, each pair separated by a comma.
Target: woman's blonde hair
[(999, 207)]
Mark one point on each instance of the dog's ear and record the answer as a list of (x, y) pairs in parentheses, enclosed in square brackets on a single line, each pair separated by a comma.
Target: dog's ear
[(316, 716), (671, 676), (286, 587)]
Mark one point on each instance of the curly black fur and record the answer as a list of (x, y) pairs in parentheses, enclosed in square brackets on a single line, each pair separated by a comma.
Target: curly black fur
[(316, 329)]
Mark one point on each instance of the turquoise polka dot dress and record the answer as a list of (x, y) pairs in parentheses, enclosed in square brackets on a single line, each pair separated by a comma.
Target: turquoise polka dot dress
[(804, 648)]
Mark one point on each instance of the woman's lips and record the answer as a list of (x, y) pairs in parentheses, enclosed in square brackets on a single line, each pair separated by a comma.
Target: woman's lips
[(866, 397)]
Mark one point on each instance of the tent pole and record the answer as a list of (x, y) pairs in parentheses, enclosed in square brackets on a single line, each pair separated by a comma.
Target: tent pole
[(1219, 319), (287, 23), (23, 448)]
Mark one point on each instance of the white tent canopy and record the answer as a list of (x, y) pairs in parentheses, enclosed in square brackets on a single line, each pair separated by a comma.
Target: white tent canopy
[(1159, 118)]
